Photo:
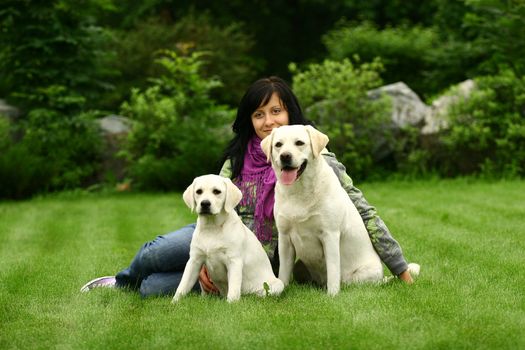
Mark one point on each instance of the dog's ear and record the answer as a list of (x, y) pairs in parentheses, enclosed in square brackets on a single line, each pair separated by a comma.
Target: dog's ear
[(266, 146), (188, 197), (318, 140), (233, 195)]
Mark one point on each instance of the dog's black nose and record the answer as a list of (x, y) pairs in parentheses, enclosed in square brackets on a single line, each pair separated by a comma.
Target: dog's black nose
[(205, 204), (286, 158)]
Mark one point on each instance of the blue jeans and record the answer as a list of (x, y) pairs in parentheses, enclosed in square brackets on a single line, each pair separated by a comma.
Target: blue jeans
[(158, 266)]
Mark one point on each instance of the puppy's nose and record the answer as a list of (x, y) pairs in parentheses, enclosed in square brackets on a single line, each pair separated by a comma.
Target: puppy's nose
[(205, 204), (286, 158)]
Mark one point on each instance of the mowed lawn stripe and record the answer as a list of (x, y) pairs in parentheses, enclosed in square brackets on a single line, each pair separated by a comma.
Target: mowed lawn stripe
[(469, 294)]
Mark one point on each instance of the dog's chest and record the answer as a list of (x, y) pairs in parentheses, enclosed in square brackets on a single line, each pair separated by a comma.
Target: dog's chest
[(217, 258), (305, 238), (294, 210)]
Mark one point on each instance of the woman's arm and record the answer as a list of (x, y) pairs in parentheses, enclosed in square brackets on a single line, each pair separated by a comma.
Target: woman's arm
[(385, 245), (226, 170)]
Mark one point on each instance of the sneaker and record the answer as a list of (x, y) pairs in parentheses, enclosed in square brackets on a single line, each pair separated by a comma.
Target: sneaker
[(106, 281)]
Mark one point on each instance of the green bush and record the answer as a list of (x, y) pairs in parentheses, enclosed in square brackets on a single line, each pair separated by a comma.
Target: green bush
[(229, 59), (21, 172), (70, 145), (5, 133), (334, 95), (487, 130), (179, 132), (51, 43), (418, 56), (497, 26), (403, 51)]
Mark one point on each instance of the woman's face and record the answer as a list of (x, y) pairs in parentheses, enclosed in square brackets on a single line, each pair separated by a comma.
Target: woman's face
[(271, 115)]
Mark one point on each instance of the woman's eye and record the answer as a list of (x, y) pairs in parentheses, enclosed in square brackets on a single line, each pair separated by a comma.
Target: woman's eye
[(258, 115), (276, 111), (299, 143), (198, 191), (216, 192), (278, 144)]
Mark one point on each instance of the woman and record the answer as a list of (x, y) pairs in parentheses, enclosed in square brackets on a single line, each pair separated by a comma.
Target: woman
[(267, 104)]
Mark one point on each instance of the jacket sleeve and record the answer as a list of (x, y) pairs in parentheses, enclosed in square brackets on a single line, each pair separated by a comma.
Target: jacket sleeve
[(226, 170), (385, 245)]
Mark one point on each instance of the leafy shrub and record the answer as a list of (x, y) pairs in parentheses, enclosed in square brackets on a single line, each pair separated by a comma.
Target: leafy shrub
[(415, 55), (492, 23), (47, 44), (487, 130), (70, 145), (179, 132), (5, 133), (228, 46), (403, 51), (21, 172), (334, 95)]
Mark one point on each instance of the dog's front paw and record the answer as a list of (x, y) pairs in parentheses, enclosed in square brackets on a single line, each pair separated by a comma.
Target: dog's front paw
[(176, 298), (233, 298), (333, 290)]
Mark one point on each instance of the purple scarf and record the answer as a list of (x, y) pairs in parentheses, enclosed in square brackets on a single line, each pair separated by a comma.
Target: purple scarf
[(257, 172)]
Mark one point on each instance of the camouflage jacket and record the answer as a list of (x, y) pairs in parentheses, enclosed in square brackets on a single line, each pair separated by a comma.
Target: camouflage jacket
[(385, 245)]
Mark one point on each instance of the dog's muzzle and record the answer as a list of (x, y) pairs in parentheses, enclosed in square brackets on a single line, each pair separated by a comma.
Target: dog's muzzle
[(290, 174), (205, 207)]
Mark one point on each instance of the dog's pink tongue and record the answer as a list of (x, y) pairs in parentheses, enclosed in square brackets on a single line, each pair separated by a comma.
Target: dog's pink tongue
[(288, 176)]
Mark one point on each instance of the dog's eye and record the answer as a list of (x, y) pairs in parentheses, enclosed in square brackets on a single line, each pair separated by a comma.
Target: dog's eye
[(278, 144), (217, 192), (199, 191), (299, 143)]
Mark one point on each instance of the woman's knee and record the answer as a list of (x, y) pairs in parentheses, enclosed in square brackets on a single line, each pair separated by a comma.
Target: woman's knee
[(152, 286), (167, 252), (163, 284)]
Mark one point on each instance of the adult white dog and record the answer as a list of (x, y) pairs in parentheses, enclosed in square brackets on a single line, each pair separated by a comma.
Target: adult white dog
[(234, 257), (316, 220)]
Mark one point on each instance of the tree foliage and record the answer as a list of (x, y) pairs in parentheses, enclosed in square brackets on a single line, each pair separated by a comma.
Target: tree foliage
[(137, 47), (49, 45), (61, 61), (178, 131), (487, 130), (334, 94)]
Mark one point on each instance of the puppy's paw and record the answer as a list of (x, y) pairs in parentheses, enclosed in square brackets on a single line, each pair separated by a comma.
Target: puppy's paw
[(333, 290), (388, 279), (233, 299), (176, 298), (277, 287)]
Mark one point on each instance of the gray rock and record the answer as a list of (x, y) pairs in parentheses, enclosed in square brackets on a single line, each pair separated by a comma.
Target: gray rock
[(114, 124), (8, 111), (114, 130), (436, 118), (407, 107)]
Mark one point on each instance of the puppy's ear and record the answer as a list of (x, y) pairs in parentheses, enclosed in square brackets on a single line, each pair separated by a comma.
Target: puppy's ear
[(318, 140), (266, 146), (189, 198), (233, 196)]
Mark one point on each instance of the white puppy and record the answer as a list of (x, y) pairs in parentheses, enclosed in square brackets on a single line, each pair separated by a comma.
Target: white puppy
[(317, 221), (234, 257)]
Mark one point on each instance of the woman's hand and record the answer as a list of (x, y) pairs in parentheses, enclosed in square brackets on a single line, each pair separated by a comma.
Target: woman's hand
[(406, 277), (206, 282)]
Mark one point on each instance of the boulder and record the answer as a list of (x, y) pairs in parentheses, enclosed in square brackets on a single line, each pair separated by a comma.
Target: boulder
[(436, 118), (407, 107), (114, 125), (114, 130), (8, 111)]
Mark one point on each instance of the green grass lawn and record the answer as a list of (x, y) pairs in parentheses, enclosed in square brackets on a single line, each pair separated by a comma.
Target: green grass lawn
[(467, 235)]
